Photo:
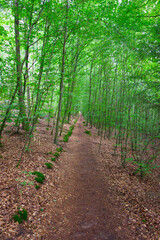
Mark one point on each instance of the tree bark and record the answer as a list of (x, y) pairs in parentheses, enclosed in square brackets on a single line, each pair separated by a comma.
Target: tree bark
[(62, 76), (19, 66)]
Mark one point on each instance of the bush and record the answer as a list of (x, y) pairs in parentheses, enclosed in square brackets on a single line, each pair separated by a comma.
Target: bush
[(53, 159)]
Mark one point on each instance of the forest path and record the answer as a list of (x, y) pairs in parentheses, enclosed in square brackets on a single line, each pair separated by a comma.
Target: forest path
[(84, 208)]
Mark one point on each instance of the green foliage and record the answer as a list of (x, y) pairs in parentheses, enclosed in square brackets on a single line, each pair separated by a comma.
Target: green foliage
[(25, 182), (65, 138), (39, 174), (72, 127), (49, 165), (27, 149), (53, 159), (37, 187), (20, 215), (144, 220), (114, 83), (69, 133), (88, 132), (60, 149), (56, 154), (143, 167), (40, 177), (49, 153), (39, 180)]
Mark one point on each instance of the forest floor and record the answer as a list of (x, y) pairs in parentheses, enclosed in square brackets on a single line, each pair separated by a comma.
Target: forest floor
[(86, 196)]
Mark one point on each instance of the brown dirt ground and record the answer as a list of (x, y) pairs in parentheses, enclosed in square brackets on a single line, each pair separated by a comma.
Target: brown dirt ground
[(86, 196)]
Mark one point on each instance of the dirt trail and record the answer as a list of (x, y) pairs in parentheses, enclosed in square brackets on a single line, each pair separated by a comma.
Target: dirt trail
[(85, 208)]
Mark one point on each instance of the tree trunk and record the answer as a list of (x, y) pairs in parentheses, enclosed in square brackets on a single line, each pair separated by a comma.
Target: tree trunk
[(19, 67), (62, 77)]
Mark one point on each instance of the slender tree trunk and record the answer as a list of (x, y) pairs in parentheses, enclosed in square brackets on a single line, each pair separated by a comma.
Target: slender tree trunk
[(6, 115), (62, 77), (19, 66), (90, 90)]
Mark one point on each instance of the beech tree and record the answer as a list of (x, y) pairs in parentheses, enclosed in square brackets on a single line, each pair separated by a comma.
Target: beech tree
[(100, 58)]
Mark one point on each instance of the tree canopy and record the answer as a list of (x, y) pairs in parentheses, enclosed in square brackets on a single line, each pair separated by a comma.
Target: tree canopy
[(98, 57)]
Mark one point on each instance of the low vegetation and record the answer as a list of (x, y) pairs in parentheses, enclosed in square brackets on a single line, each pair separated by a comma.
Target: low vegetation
[(20, 216), (49, 165)]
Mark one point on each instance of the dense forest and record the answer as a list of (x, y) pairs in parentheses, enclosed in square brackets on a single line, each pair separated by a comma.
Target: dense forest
[(99, 59)]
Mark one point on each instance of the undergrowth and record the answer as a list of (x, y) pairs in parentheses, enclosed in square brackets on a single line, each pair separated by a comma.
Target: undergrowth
[(20, 216), (56, 154), (88, 132), (49, 165)]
